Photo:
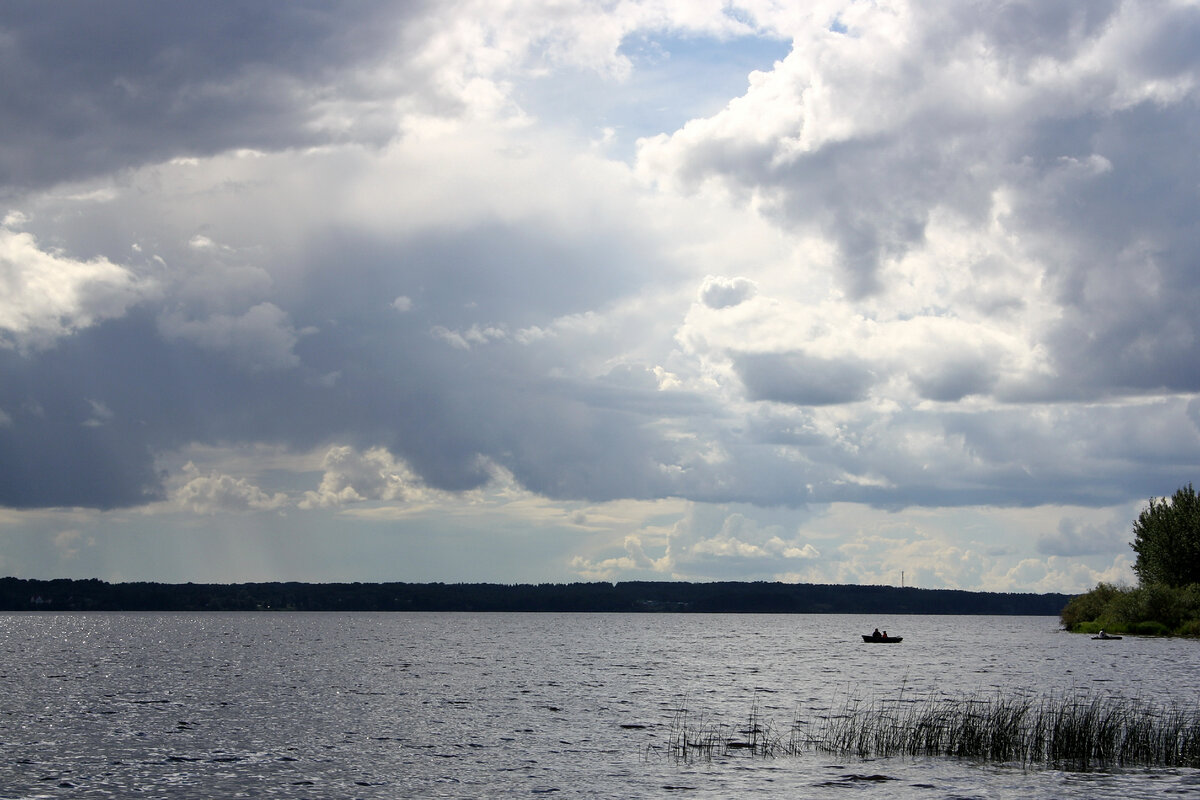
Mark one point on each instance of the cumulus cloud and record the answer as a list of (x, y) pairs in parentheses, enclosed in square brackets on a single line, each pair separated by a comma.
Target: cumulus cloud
[(708, 543), (466, 339), (635, 562), (1062, 574), (865, 138), (355, 477), (48, 294), (214, 493)]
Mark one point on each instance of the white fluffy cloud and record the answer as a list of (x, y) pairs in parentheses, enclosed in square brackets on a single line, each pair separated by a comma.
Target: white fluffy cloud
[(48, 294), (937, 152), (354, 477), (214, 493), (708, 543)]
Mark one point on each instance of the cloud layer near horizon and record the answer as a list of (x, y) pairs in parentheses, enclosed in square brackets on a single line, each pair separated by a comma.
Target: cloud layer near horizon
[(927, 260)]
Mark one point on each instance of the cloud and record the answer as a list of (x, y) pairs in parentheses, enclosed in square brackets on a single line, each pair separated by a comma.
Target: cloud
[(712, 543), (726, 292), (635, 562), (354, 477), (141, 82), (954, 379), (180, 83), (928, 259), (214, 493), (865, 139), (49, 294), (1062, 574), (69, 542), (260, 338), (101, 414), (475, 335), (1073, 539), (800, 379)]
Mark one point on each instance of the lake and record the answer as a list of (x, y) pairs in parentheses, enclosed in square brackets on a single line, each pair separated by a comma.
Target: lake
[(394, 705)]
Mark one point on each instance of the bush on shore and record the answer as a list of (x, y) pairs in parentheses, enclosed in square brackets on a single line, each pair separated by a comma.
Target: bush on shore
[(1152, 610)]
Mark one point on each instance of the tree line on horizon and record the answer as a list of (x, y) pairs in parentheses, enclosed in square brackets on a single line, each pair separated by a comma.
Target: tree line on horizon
[(17, 594)]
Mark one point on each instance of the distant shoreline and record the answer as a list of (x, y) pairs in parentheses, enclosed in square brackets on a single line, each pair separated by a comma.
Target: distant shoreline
[(733, 597)]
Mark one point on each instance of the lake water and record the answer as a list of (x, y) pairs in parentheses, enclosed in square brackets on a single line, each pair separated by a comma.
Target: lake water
[(295, 705)]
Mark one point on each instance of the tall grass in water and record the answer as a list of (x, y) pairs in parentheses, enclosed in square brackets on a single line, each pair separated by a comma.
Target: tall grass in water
[(1066, 732), (694, 738)]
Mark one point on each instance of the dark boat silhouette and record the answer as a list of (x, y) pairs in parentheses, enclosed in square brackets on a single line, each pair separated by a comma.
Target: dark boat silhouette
[(869, 637)]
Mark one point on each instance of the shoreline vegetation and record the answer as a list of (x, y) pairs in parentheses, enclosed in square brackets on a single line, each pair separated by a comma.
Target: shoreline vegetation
[(1073, 732), (1166, 601), (17, 594), (1152, 610)]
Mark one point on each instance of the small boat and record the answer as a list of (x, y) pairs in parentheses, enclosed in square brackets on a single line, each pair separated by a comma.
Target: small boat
[(1106, 636), (869, 637)]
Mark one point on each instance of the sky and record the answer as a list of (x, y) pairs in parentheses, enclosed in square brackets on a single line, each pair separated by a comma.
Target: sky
[(527, 291)]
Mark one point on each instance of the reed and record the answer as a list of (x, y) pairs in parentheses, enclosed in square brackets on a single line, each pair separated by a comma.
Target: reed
[(1067, 731), (699, 738)]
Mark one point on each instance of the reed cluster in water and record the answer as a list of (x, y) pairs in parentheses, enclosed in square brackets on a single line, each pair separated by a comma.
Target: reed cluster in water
[(1066, 732)]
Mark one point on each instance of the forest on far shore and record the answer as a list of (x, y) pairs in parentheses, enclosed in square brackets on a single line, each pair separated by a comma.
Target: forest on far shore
[(17, 594)]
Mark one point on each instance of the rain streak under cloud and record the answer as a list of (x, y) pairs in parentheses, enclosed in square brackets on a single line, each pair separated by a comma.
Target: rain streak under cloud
[(531, 292)]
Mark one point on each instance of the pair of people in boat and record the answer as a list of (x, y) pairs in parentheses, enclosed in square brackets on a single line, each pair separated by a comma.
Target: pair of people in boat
[(877, 635)]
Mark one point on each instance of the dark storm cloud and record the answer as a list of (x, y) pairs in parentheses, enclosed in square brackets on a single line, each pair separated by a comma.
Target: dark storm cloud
[(362, 374), (93, 87), (162, 395), (54, 451), (439, 410), (441, 407)]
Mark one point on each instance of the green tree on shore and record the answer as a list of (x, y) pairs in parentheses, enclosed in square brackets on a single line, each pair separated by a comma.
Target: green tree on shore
[(1166, 538)]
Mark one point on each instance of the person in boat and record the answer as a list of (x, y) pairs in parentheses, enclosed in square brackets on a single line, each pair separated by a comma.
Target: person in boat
[(1103, 635), (876, 634)]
